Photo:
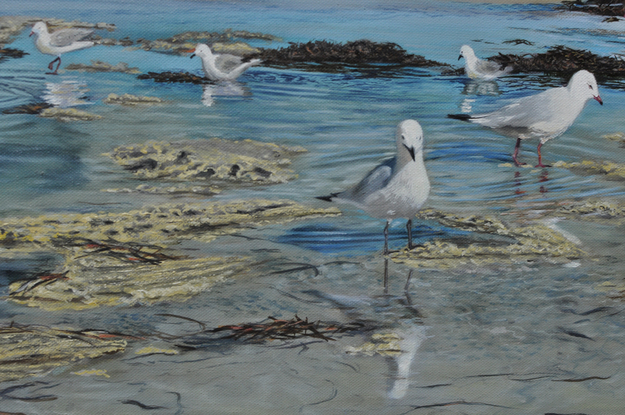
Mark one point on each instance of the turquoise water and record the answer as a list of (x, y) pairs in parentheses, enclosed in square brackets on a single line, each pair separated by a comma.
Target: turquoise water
[(510, 323)]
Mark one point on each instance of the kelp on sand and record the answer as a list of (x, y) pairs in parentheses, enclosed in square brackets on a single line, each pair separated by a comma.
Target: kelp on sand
[(123, 258), (160, 224), (100, 279), (216, 160), (28, 350), (522, 243)]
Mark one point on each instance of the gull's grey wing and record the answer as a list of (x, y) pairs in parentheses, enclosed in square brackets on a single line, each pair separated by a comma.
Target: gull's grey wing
[(489, 67), (227, 63), (374, 181), (526, 112), (66, 37)]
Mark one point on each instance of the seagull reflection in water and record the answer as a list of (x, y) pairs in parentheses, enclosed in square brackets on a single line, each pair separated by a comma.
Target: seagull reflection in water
[(223, 89)]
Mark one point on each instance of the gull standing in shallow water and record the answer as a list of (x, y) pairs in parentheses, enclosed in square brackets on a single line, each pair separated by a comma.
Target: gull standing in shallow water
[(476, 68), (221, 67), (59, 42), (396, 188), (544, 116)]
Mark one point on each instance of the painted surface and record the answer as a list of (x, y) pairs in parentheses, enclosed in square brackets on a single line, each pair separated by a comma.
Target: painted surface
[(521, 314)]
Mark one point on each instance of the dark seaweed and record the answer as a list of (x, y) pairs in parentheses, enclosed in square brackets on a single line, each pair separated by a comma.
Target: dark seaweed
[(35, 108), (599, 7), (183, 77), (329, 54), (11, 53), (564, 60)]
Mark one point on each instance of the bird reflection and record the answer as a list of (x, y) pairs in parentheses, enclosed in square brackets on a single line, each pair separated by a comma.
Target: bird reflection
[(411, 338), (544, 177), (392, 316), (223, 89), (65, 94), (518, 182), (477, 87)]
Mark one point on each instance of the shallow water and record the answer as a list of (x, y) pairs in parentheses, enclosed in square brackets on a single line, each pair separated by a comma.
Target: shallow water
[(518, 338)]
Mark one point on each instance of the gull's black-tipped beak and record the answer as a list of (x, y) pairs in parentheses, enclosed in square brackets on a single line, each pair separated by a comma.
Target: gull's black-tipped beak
[(31, 33), (192, 56), (599, 100), (411, 151), (459, 57)]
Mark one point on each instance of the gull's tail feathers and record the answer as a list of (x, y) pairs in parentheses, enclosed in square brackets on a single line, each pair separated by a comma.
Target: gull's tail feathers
[(461, 117), (327, 198)]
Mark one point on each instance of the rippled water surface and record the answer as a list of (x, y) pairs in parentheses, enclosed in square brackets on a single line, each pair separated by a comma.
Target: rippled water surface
[(525, 338)]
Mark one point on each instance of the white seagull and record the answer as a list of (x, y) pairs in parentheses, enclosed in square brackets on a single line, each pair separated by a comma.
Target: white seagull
[(544, 116), (476, 68), (59, 42), (221, 67), (396, 188)]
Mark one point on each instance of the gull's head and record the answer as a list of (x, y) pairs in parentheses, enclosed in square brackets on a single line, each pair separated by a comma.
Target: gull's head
[(202, 50), (38, 28), (409, 139), (584, 85), (466, 52)]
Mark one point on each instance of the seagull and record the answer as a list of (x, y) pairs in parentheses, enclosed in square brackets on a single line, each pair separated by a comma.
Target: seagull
[(221, 67), (396, 188), (477, 68), (544, 116), (59, 42)]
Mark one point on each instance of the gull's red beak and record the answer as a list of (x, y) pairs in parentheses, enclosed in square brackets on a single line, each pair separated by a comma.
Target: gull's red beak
[(599, 100), (31, 33)]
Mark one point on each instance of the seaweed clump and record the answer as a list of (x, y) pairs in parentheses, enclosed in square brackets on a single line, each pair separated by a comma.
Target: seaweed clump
[(609, 169), (68, 114), (113, 258), (226, 42), (525, 243), (35, 108), (131, 100), (160, 224), (180, 77), (598, 7), (224, 161), (110, 276), (563, 60), (11, 53), (594, 209), (356, 53), (28, 350), (100, 66)]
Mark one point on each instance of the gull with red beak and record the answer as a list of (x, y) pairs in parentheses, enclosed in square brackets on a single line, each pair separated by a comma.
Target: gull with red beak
[(221, 67), (396, 188), (543, 116), (59, 42)]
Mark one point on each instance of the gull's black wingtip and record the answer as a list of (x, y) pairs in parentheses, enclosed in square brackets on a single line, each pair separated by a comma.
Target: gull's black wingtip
[(326, 198), (461, 117)]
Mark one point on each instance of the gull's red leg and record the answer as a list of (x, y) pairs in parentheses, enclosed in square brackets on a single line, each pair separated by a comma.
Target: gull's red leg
[(540, 159), (516, 153), (51, 64)]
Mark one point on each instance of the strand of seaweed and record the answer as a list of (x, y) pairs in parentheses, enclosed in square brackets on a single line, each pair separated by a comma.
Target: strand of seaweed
[(133, 252), (270, 329)]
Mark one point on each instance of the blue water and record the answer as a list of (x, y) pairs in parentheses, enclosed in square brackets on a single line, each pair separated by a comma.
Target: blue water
[(480, 320)]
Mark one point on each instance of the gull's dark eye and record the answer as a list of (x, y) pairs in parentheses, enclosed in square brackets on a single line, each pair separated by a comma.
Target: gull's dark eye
[(590, 86)]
